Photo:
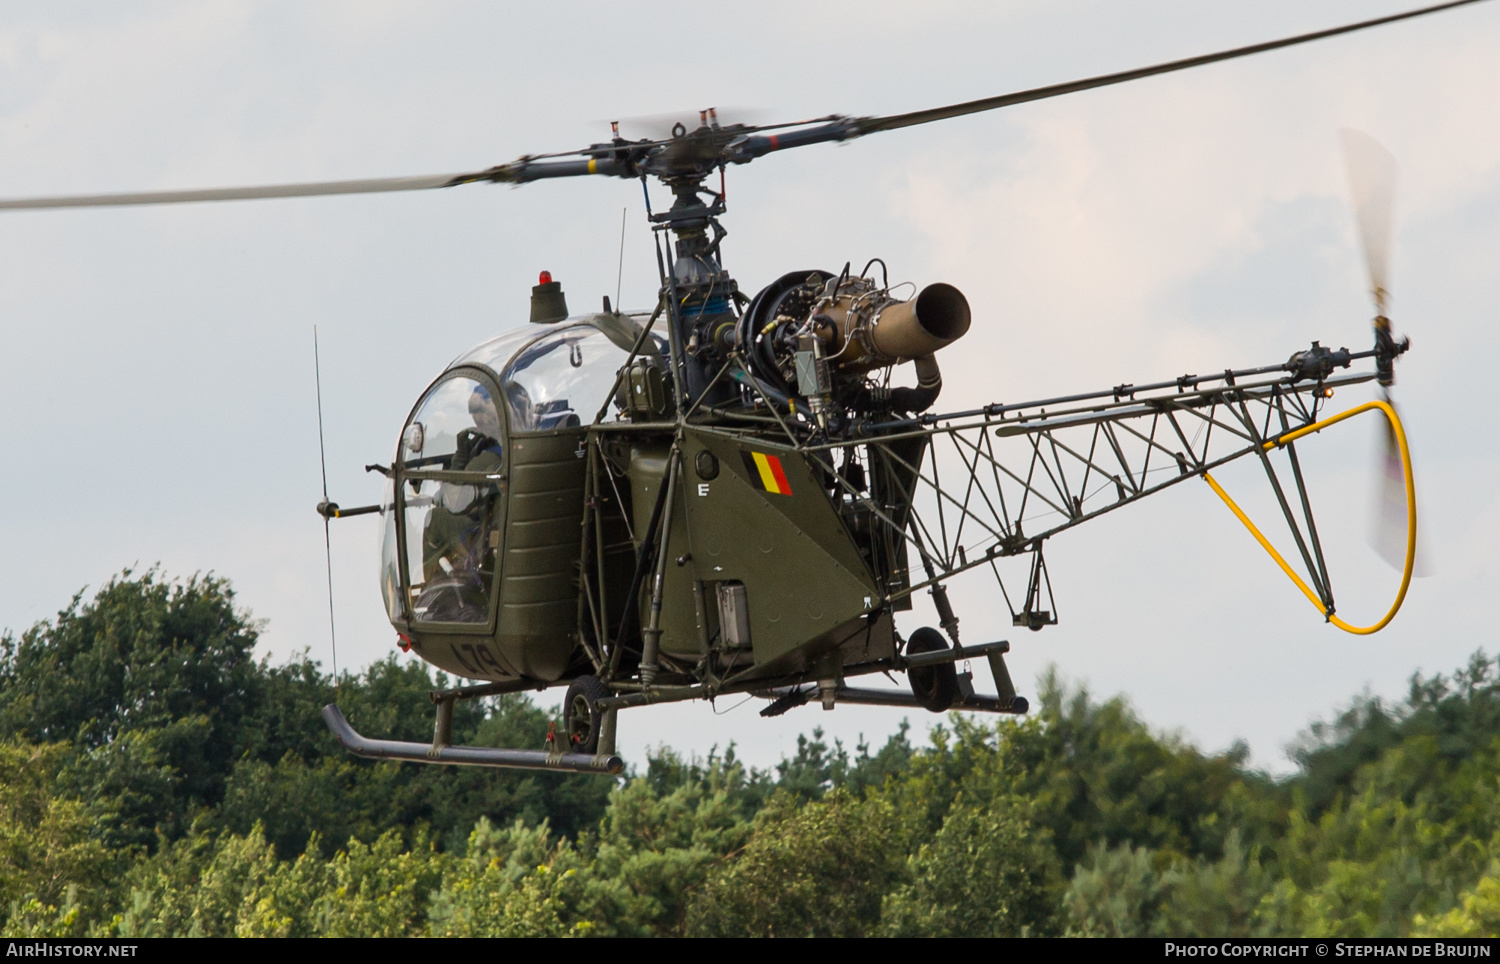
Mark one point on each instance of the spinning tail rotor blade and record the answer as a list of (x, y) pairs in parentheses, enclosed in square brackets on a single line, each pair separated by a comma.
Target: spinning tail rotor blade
[(1389, 523), (1372, 185), (1388, 529)]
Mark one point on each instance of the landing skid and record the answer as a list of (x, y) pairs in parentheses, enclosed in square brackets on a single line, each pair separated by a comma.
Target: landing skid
[(785, 694), (473, 756)]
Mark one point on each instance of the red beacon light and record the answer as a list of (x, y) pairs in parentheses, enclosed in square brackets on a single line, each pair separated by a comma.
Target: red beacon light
[(547, 301)]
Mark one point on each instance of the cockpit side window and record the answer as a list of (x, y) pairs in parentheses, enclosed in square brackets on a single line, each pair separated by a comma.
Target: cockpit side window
[(561, 380), (456, 428), (451, 524)]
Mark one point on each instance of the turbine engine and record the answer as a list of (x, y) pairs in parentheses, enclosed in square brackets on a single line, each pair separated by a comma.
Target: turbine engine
[(829, 342)]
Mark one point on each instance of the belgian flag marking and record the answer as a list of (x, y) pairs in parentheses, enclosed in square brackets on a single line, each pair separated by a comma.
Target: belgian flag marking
[(766, 472)]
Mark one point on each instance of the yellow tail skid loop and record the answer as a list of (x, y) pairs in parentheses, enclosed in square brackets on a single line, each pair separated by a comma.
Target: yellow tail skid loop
[(1411, 513)]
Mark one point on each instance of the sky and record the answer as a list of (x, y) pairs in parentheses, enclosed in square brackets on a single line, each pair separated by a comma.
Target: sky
[(157, 373)]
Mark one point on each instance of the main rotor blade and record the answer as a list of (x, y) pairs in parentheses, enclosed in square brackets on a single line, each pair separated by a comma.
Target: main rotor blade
[(369, 186), (633, 159), (1372, 185), (871, 125)]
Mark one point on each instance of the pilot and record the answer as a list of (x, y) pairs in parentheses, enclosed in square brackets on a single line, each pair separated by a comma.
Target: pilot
[(458, 559), (478, 448)]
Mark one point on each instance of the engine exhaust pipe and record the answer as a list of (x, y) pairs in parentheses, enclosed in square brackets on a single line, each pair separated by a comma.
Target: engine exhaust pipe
[(937, 317), (900, 330)]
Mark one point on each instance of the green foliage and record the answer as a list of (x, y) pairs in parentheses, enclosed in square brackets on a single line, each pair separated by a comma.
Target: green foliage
[(47, 858), (890, 762), (1096, 773), (508, 885), (234, 886), (196, 886), (815, 768), (816, 869), (988, 872), (32, 918), (173, 725), (156, 780), (967, 757), (1129, 891), (152, 682), (1115, 892), (1393, 826), (1218, 898), (657, 843), (483, 903), (143, 652), (1454, 719), (1370, 848), (1478, 913), (379, 890), (1366, 868)]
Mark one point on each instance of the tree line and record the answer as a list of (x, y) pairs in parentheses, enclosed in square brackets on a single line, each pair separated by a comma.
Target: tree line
[(158, 780)]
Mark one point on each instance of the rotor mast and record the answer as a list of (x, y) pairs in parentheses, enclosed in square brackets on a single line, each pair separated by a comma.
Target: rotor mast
[(699, 292)]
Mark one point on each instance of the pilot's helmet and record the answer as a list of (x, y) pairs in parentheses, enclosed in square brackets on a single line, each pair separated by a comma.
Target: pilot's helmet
[(482, 411)]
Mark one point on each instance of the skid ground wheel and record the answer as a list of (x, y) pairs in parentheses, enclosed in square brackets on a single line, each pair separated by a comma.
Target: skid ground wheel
[(582, 719), (935, 687)]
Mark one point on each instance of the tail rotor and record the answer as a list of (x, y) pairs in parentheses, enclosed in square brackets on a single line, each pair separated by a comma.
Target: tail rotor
[(326, 510), (1372, 187)]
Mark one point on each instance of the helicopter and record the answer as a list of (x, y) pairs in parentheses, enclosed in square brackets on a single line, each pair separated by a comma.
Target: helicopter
[(760, 412)]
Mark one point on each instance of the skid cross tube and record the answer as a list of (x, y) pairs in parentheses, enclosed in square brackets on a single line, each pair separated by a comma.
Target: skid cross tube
[(1411, 514), (793, 697)]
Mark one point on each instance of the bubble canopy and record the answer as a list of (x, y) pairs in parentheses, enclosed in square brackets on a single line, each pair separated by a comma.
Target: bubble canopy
[(557, 376), (444, 552)]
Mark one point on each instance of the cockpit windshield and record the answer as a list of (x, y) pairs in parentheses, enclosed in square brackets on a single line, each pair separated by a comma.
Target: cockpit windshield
[(451, 522), (562, 379), (457, 428), (443, 550)]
